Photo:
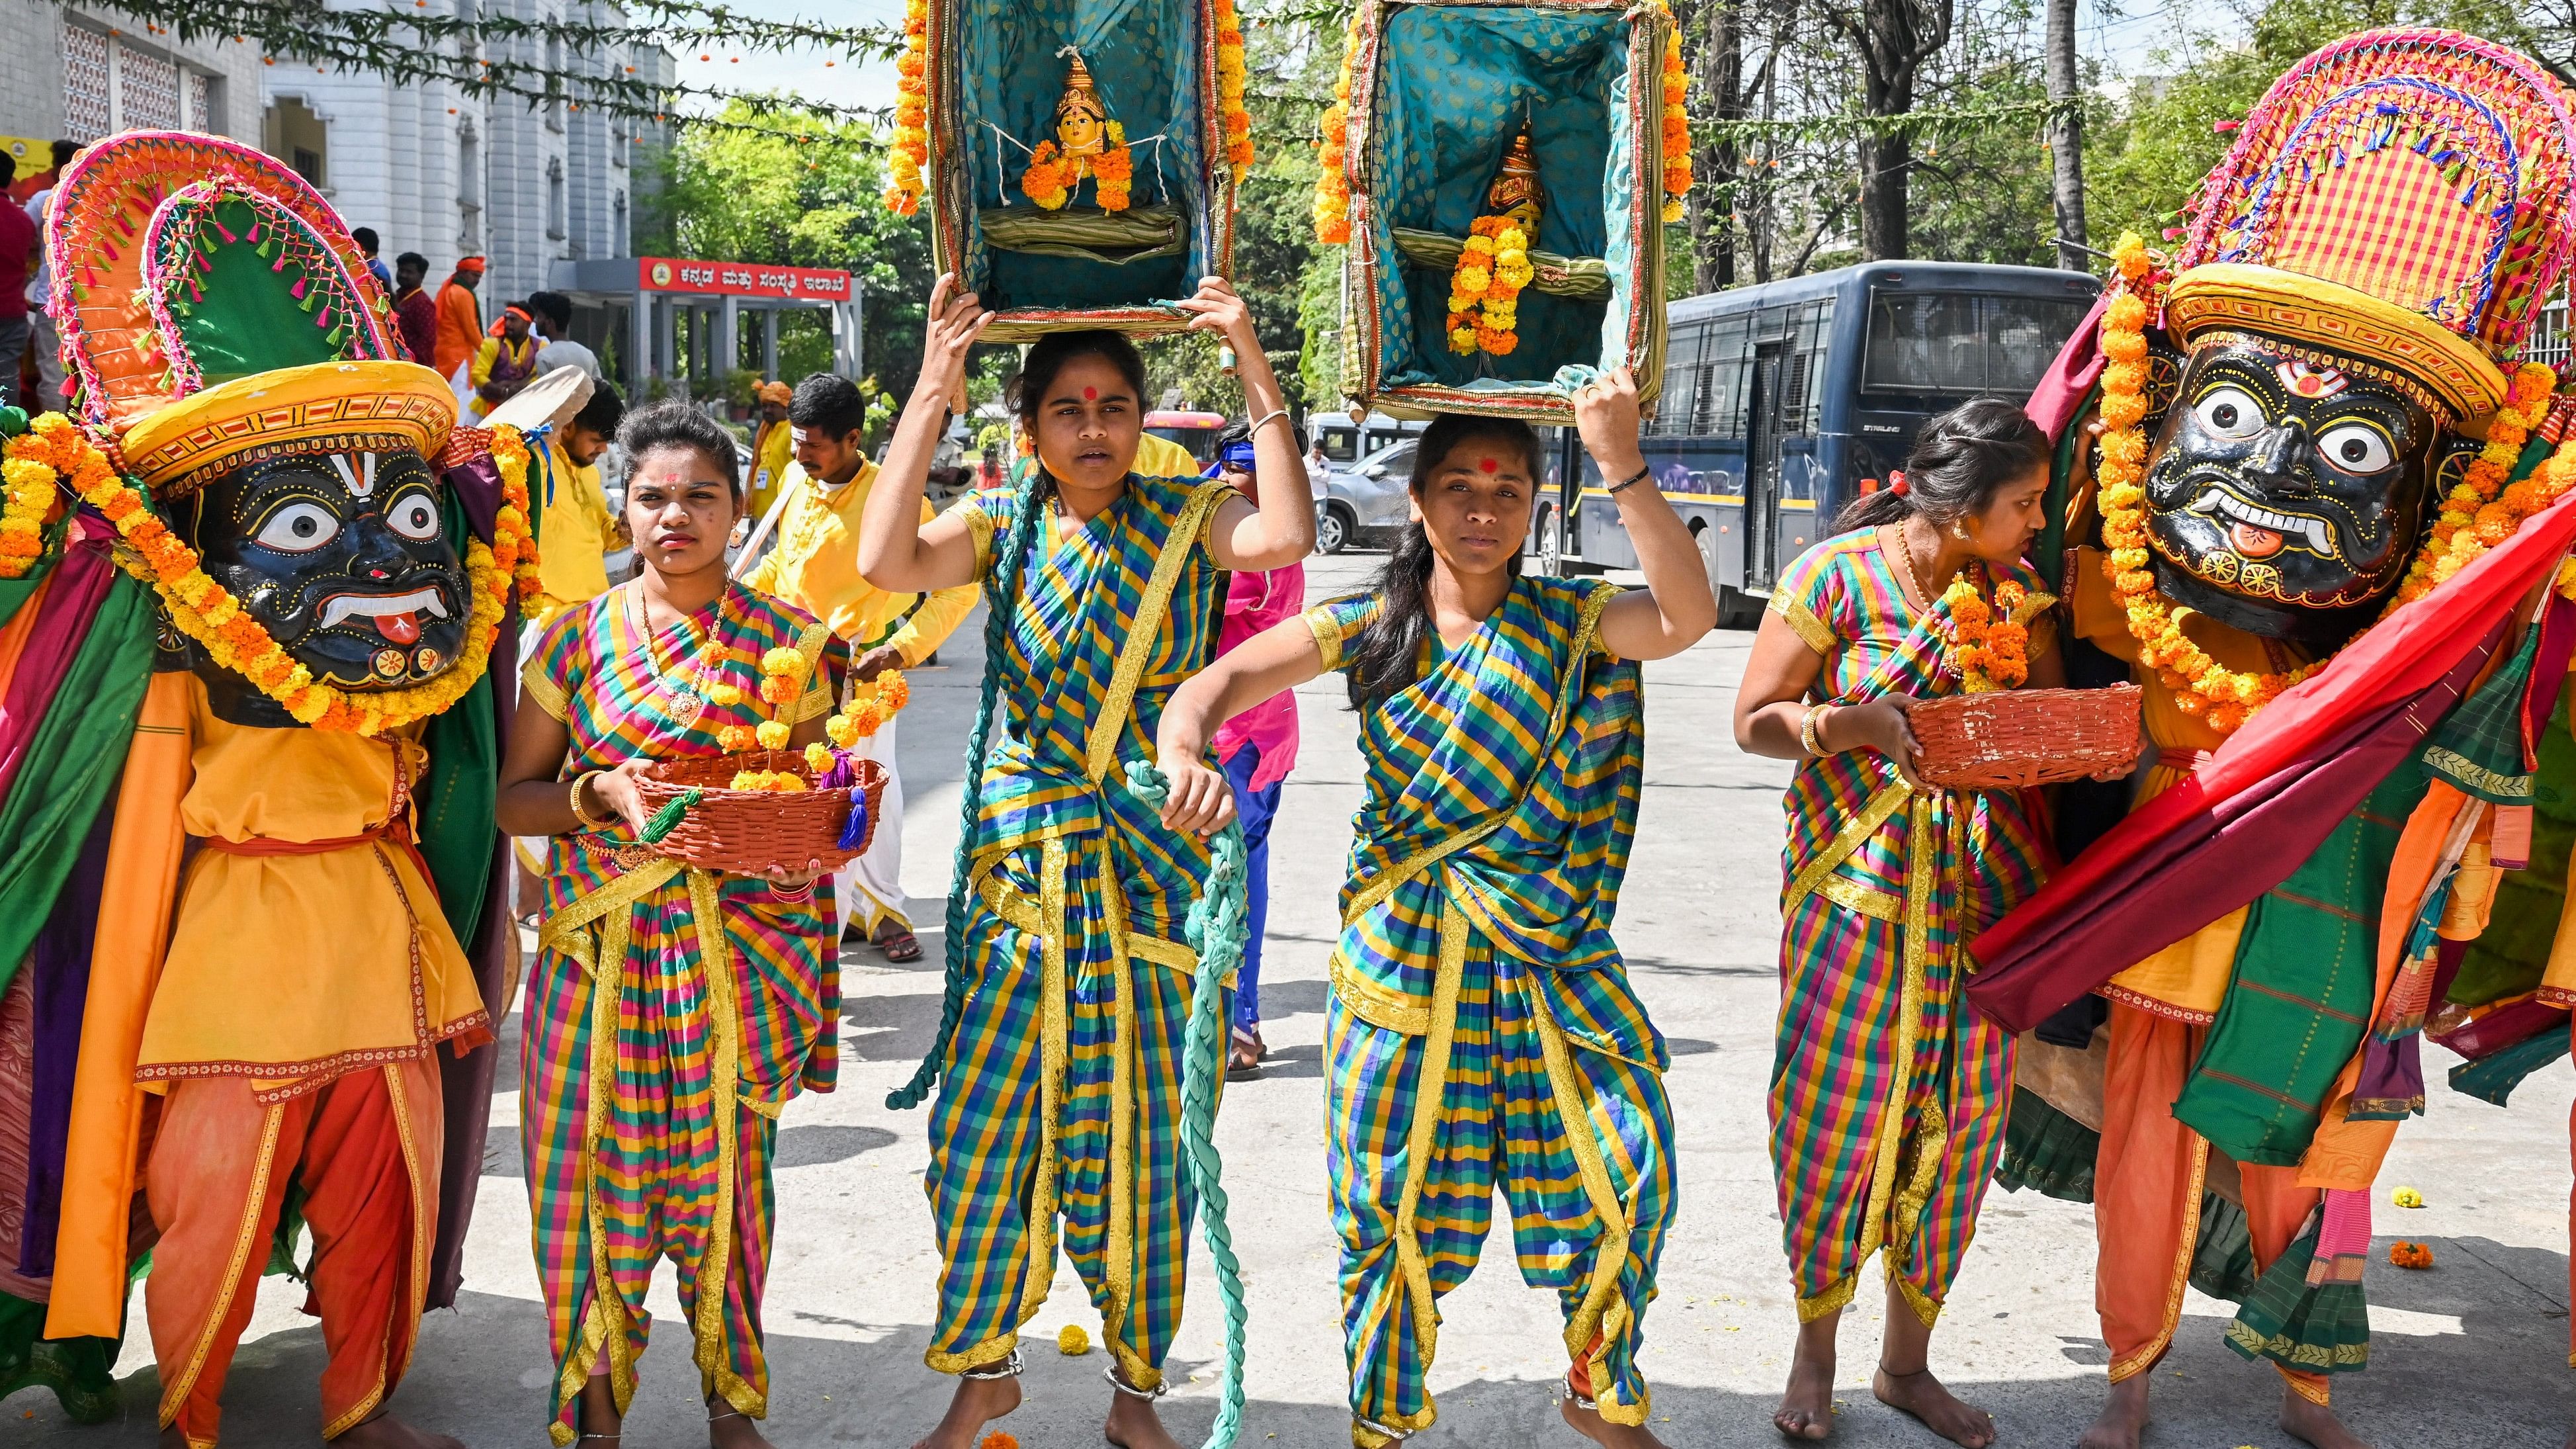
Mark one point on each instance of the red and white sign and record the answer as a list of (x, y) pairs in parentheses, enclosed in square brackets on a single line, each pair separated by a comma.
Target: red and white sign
[(742, 279)]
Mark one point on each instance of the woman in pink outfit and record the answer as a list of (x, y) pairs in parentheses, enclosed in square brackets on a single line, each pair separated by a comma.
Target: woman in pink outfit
[(1256, 748)]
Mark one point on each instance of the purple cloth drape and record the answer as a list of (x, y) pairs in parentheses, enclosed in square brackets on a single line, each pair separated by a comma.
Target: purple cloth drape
[(60, 965)]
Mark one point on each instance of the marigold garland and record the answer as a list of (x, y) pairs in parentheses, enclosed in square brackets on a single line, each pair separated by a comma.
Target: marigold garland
[(1233, 120), (2223, 697), (1990, 649), (208, 613), (779, 782), (1492, 269), (911, 150), (1333, 148), (29, 488), (2481, 511), (1115, 169), (861, 719), (1677, 139), (510, 459)]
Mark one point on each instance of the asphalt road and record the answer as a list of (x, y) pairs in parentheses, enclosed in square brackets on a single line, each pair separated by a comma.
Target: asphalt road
[(2472, 1353)]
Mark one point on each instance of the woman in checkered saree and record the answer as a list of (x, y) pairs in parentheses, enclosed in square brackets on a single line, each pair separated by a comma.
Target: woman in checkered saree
[(1058, 1055), (672, 1013), (1887, 1089), (1482, 1030)]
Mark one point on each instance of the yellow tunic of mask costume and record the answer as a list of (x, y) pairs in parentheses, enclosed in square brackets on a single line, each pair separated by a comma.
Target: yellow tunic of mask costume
[(351, 935)]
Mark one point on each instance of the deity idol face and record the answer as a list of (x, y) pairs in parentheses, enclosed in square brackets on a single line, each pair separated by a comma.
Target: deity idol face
[(2285, 496), (1078, 131), (1525, 216), (341, 558)]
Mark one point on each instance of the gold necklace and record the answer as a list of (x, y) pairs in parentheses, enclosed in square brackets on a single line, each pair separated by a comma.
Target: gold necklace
[(679, 702)]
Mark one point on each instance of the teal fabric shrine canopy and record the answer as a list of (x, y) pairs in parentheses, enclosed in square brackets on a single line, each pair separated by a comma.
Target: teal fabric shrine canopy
[(998, 74), (1450, 86)]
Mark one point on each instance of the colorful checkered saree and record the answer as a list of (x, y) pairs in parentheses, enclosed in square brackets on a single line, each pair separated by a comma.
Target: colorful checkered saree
[(1061, 1094), (657, 1053), (1888, 1089), (1482, 1031)]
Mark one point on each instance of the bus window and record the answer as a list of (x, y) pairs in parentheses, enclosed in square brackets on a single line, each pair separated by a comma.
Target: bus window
[(1718, 409), (1673, 410), (1802, 395), (1964, 343)]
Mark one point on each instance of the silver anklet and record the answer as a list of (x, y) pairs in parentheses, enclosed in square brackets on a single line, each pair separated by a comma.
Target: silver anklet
[(1589, 1406), (1121, 1385), (1382, 1431), (1008, 1368)]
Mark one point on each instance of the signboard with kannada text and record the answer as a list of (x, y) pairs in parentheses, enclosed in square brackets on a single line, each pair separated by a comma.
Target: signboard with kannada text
[(741, 279)]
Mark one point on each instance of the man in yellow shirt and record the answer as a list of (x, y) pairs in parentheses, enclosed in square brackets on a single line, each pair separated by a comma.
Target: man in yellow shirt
[(816, 567), (575, 529), (772, 449)]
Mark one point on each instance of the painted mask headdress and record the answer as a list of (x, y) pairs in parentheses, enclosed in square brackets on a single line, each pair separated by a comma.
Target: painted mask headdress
[(2353, 284), (222, 330)]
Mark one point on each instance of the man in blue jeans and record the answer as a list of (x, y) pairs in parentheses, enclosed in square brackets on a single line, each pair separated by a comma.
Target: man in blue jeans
[(1257, 748)]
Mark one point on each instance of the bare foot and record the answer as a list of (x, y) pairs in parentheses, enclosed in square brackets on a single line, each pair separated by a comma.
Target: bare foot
[(1807, 1405), (731, 1428), (1590, 1424), (1133, 1424), (384, 1431), (2123, 1417), (1924, 1397), (2314, 1423), (976, 1403)]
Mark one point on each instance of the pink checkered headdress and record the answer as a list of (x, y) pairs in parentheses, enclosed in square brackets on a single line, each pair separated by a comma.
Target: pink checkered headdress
[(2399, 198)]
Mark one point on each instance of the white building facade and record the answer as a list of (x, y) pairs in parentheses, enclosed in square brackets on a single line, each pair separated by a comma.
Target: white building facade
[(67, 74), (446, 174)]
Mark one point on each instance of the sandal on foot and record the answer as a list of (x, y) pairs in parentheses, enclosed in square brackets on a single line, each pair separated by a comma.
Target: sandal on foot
[(1243, 1054), (899, 947)]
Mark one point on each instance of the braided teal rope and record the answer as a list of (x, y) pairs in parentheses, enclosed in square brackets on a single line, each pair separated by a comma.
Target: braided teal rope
[(1003, 601), (1219, 924)]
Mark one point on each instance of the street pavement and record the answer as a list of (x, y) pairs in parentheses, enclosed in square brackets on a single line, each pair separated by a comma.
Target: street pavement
[(2472, 1353)]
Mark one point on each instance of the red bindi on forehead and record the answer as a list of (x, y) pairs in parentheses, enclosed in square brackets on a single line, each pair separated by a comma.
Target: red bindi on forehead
[(1091, 394), (1490, 465)]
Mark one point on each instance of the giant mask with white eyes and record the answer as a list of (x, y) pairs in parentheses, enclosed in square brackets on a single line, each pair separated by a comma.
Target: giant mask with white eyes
[(2284, 493), (341, 557)]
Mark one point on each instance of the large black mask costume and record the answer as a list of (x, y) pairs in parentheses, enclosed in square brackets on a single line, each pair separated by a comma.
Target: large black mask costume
[(2286, 493), (341, 557)]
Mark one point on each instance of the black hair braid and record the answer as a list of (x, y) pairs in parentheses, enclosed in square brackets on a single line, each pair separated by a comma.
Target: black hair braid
[(1036, 493)]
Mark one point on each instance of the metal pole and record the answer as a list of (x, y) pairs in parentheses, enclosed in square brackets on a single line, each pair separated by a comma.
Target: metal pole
[(769, 342)]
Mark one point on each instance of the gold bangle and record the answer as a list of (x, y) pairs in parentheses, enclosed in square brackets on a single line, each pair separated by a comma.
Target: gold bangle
[(1811, 728), (588, 821)]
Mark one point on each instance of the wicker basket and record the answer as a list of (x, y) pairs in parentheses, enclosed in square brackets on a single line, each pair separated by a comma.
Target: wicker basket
[(749, 832), (2007, 739)]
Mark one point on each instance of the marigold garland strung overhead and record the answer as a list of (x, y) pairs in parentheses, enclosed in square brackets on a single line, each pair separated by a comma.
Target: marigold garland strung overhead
[(208, 613)]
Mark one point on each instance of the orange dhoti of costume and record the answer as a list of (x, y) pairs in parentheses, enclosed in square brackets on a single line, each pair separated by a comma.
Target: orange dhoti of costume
[(294, 1029)]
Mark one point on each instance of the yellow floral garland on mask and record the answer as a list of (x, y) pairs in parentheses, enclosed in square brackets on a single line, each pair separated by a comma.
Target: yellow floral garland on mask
[(2478, 514), (208, 613), (2225, 698)]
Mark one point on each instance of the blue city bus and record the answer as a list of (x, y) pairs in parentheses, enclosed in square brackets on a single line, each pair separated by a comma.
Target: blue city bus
[(1782, 401)]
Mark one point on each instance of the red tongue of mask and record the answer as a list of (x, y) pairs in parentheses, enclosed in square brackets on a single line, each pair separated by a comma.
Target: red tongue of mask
[(402, 628), (2254, 542)]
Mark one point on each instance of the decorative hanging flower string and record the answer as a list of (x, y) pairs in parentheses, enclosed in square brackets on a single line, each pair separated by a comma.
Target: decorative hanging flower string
[(1485, 288), (1677, 138), (911, 150), (1233, 121), (1333, 148)]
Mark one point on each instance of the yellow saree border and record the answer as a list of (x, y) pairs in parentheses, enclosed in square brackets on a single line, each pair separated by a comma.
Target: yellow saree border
[(603, 959)]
